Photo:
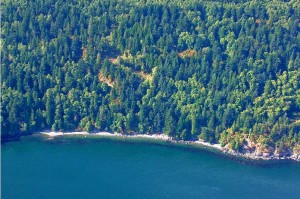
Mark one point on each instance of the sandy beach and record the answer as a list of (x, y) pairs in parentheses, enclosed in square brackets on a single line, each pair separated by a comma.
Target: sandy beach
[(53, 134), (153, 136)]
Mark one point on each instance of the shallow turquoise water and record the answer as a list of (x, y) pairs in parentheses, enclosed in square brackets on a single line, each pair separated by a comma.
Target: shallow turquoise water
[(97, 168)]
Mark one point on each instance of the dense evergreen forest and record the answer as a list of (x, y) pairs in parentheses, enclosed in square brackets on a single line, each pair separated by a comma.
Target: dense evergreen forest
[(223, 71)]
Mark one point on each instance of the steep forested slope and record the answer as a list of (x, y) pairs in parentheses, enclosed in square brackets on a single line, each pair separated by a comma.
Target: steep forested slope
[(224, 71)]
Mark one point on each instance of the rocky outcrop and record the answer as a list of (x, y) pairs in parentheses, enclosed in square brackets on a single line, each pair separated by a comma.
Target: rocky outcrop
[(257, 151)]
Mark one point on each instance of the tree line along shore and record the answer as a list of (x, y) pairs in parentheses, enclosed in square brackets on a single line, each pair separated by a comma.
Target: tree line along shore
[(224, 72)]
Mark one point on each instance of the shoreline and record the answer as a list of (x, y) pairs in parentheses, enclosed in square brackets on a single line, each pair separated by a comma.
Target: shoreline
[(215, 148)]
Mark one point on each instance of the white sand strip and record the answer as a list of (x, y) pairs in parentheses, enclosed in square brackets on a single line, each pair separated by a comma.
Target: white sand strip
[(216, 146), (107, 134), (53, 134)]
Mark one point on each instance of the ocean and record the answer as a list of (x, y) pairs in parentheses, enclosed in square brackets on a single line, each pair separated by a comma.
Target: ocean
[(35, 167)]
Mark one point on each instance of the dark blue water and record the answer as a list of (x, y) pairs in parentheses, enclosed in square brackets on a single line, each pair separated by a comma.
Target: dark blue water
[(89, 168)]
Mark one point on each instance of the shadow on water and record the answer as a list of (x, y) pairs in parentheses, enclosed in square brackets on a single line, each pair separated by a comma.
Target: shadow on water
[(190, 148), (8, 140), (15, 137)]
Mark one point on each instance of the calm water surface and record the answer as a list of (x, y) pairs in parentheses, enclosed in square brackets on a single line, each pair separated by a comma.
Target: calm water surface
[(88, 168)]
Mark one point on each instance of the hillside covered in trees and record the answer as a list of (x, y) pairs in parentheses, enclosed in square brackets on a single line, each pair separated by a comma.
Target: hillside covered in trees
[(227, 72)]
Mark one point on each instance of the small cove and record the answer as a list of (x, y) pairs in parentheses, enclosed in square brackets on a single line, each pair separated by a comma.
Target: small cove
[(91, 168)]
